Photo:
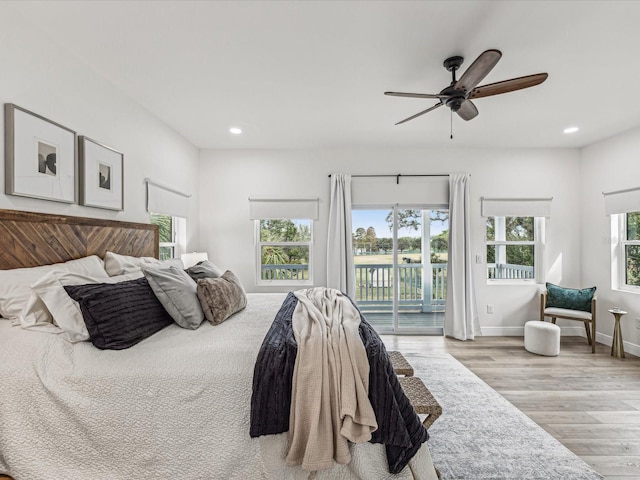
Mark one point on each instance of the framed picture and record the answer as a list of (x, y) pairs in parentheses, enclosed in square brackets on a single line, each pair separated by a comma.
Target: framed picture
[(40, 157), (101, 175)]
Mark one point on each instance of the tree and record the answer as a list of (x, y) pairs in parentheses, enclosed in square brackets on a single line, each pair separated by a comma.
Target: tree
[(272, 255), (407, 218), (165, 228), (385, 244), (440, 242), (371, 239), (358, 237), (280, 231), (633, 251)]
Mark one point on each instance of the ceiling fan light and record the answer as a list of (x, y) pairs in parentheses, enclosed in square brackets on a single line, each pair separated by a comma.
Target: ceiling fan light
[(570, 130), (235, 130)]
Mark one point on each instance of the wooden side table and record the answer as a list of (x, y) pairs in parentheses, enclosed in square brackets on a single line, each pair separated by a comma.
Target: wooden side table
[(617, 348)]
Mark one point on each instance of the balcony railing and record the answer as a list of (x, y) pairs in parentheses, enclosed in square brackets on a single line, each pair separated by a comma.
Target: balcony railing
[(509, 271), (374, 285), (284, 272)]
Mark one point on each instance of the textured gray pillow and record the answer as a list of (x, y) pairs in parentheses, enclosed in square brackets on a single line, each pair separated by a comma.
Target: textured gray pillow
[(177, 294), (204, 269), (221, 297)]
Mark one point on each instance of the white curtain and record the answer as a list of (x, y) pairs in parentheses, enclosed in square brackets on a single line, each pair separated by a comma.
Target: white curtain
[(340, 270), (461, 314)]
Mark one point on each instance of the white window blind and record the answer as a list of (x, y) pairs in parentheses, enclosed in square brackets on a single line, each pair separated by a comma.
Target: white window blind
[(432, 191), (283, 208), (167, 201), (622, 201), (516, 207)]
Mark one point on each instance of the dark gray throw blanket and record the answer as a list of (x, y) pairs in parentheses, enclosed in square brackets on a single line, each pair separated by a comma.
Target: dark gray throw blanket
[(399, 427)]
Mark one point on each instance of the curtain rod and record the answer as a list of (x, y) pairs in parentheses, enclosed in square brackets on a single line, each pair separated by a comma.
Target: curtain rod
[(398, 175)]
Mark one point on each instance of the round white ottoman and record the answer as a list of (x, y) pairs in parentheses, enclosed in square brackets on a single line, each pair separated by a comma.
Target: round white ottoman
[(542, 338)]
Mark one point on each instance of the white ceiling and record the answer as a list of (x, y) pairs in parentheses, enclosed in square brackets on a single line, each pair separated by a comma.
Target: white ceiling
[(311, 74)]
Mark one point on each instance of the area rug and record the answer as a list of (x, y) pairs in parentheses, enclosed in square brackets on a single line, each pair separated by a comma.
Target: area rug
[(481, 436)]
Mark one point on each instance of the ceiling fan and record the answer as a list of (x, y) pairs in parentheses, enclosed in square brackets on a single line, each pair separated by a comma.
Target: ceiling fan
[(457, 96)]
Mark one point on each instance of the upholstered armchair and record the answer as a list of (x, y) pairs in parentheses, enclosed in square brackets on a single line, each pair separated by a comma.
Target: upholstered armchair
[(571, 304)]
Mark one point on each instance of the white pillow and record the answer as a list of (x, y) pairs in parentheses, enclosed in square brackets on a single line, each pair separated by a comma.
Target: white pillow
[(116, 264), (66, 311), (15, 284)]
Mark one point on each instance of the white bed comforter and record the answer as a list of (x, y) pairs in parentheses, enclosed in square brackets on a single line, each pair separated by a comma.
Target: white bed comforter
[(175, 406)]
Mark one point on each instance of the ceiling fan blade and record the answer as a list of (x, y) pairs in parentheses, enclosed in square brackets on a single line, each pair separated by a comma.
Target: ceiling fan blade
[(478, 70), (421, 113), (416, 95), (508, 85), (467, 110)]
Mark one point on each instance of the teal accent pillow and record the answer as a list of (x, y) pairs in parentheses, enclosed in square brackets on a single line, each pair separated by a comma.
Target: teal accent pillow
[(570, 298)]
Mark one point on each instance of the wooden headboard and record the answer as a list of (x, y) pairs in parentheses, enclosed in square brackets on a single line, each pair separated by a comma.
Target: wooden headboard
[(30, 239)]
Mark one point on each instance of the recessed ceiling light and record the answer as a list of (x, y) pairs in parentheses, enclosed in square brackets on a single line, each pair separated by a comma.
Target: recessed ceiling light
[(571, 130), (235, 130)]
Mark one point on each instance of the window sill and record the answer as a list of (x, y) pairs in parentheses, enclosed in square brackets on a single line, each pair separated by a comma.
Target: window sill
[(513, 281), (632, 290), (284, 283)]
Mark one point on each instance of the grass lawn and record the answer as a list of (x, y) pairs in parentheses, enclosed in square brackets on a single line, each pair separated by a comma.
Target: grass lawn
[(387, 259)]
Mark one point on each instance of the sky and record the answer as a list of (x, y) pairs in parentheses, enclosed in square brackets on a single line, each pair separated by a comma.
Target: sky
[(376, 219)]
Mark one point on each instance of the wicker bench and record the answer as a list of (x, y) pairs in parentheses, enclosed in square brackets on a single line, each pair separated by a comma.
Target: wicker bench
[(400, 364), (421, 399)]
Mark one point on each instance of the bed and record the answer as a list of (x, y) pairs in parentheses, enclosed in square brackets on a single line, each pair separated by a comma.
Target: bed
[(174, 406)]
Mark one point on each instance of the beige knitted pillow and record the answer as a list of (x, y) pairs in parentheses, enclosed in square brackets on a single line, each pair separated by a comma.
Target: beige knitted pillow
[(221, 297)]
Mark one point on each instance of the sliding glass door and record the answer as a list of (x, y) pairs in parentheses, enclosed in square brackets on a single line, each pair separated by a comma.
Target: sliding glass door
[(400, 256)]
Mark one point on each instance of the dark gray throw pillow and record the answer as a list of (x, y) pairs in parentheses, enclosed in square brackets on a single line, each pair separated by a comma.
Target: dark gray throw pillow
[(221, 297), (204, 269), (119, 315)]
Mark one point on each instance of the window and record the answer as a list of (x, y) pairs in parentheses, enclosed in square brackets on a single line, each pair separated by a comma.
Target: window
[(168, 234), (628, 251), (284, 251), (514, 246)]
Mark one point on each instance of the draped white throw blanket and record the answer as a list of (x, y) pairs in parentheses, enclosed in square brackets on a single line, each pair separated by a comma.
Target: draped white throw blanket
[(329, 401)]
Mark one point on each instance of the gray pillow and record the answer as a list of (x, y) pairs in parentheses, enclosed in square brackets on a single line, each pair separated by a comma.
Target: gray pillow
[(221, 297), (177, 294), (204, 269)]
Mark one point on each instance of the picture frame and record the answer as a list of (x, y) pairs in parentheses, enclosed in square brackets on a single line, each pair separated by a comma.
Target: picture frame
[(101, 175), (41, 158)]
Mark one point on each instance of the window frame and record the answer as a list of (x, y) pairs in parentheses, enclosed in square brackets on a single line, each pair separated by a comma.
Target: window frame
[(175, 235), (258, 255), (618, 253), (538, 250)]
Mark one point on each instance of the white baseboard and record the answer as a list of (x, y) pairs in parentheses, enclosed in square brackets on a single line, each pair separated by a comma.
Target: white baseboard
[(629, 347), (519, 331)]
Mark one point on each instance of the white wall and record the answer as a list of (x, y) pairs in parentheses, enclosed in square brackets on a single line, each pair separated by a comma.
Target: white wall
[(229, 178), (608, 166), (41, 77)]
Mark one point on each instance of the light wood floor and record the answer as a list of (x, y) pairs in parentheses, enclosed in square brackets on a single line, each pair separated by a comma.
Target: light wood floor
[(589, 402)]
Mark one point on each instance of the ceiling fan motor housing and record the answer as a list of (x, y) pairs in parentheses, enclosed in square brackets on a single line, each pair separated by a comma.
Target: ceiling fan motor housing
[(454, 98)]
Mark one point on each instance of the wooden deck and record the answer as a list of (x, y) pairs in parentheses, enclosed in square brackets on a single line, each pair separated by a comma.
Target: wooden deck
[(407, 321)]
